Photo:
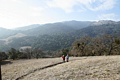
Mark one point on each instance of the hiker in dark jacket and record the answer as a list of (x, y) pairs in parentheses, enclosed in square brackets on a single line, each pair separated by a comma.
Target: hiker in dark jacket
[(63, 57)]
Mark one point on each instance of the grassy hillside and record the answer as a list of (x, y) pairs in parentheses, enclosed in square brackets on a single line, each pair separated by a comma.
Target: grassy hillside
[(78, 68)]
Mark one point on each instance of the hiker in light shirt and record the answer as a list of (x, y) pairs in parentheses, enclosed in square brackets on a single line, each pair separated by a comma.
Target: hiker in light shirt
[(67, 58)]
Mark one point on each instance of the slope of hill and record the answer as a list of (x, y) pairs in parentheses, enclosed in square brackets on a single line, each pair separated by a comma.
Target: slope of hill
[(51, 28), (78, 68), (62, 34), (11, 38), (57, 28), (25, 28), (55, 42), (100, 29), (4, 33)]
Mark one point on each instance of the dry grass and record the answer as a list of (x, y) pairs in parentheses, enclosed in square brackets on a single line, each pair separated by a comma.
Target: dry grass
[(21, 67), (80, 68)]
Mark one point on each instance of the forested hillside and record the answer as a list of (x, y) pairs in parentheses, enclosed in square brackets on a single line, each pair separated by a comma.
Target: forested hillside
[(57, 28), (56, 36)]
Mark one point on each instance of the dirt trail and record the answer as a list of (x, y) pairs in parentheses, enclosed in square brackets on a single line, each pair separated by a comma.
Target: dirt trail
[(20, 68), (48, 66), (32, 71), (90, 68)]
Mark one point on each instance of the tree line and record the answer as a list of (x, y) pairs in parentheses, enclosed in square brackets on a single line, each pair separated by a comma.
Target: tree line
[(85, 46), (22, 54), (97, 46)]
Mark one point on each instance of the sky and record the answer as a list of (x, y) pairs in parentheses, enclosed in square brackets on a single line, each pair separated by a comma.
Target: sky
[(19, 13)]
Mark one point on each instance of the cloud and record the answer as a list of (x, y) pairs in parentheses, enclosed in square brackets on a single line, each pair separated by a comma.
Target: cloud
[(102, 5), (65, 5), (94, 5), (110, 16), (16, 13)]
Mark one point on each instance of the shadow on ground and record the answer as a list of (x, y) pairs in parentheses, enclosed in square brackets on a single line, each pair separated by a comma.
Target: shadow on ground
[(5, 62)]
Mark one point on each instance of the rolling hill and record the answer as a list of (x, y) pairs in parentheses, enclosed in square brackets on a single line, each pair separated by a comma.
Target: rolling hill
[(55, 36)]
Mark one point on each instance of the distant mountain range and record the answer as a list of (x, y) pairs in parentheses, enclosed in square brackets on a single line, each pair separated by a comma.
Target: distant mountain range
[(54, 36)]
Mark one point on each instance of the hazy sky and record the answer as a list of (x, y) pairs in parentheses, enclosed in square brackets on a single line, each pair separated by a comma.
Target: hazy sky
[(17, 13)]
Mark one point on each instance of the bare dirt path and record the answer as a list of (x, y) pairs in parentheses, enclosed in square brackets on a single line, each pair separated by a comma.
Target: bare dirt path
[(21, 68), (90, 68), (48, 66), (38, 69)]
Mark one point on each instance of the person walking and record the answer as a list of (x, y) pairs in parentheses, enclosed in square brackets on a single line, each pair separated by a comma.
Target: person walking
[(63, 57), (67, 58)]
